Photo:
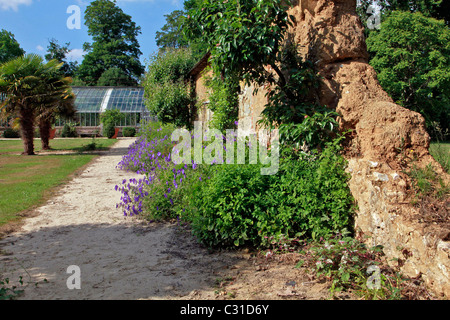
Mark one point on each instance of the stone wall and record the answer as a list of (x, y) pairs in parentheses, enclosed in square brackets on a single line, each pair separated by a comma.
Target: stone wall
[(250, 107), (204, 114), (330, 33)]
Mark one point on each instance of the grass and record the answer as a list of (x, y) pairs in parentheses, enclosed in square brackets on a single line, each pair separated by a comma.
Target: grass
[(441, 153), (26, 181), (71, 144)]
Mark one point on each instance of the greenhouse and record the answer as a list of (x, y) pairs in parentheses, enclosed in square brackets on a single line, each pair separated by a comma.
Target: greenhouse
[(90, 102)]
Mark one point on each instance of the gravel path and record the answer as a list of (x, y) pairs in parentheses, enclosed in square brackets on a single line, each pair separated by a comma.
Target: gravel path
[(118, 257), (79, 237)]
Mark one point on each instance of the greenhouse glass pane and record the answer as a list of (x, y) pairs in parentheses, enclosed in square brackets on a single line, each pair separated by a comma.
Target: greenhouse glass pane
[(89, 99), (127, 99)]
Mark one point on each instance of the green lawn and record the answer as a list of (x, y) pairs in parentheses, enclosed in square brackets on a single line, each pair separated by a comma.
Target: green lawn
[(26, 181), (441, 152), (75, 144)]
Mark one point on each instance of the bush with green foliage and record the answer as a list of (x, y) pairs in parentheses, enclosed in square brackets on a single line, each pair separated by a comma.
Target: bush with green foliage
[(11, 133), (308, 197), (412, 60), (112, 116), (69, 130), (129, 132), (109, 130)]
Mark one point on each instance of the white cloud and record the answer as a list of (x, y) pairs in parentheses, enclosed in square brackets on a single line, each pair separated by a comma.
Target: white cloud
[(75, 54), (13, 4), (40, 48)]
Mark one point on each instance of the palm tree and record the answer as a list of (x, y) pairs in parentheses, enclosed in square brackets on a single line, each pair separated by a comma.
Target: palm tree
[(60, 103), (27, 82)]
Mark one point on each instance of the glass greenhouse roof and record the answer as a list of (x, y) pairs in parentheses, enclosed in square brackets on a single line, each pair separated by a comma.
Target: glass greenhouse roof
[(99, 99)]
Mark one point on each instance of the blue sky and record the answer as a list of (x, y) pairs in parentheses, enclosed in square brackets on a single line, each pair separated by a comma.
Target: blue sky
[(34, 22)]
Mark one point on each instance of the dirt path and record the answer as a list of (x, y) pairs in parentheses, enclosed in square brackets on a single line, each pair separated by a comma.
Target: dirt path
[(123, 258)]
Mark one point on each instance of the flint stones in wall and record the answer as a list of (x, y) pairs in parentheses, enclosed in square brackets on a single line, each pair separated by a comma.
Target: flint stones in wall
[(385, 215)]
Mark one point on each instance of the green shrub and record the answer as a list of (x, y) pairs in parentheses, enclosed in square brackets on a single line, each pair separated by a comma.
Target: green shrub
[(129, 132), (109, 130), (111, 116), (11, 133), (308, 197), (69, 130)]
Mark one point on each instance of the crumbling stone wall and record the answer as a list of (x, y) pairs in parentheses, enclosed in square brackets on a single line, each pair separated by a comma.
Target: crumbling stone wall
[(331, 34)]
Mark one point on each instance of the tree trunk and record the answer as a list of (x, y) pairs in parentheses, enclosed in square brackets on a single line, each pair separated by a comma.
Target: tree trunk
[(44, 131), (27, 128)]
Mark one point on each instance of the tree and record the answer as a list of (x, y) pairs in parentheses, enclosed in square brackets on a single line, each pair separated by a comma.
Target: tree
[(60, 103), (58, 52), (166, 90), (115, 43), (438, 9), (115, 77), (171, 35), (412, 59), (243, 36), (28, 83), (9, 47)]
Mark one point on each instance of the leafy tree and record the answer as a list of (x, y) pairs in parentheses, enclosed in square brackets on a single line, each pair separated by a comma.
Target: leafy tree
[(115, 77), (247, 41), (438, 9), (28, 84), (9, 47), (166, 90), (412, 59), (243, 36), (58, 52), (170, 35), (115, 43)]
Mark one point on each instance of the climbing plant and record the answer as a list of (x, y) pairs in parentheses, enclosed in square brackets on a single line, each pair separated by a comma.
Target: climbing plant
[(223, 101)]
